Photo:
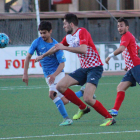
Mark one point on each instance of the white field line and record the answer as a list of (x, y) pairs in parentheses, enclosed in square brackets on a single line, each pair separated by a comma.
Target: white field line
[(38, 87), (61, 135)]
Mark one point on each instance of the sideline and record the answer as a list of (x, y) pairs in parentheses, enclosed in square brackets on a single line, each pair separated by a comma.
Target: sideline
[(61, 135), (108, 73)]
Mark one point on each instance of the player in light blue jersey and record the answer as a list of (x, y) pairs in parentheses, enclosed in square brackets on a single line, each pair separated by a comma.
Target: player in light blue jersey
[(52, 66)]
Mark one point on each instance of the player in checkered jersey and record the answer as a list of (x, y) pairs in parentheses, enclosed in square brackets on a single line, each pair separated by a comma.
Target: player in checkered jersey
[(129, 49), (79, 41)]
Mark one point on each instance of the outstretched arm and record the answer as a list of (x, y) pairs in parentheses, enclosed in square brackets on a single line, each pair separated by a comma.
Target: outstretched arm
[(82, 49), (116, 52), (26, 65), (49, 52)]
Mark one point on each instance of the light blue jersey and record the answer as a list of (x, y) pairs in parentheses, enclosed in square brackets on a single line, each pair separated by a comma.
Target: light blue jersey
[(49, 63)]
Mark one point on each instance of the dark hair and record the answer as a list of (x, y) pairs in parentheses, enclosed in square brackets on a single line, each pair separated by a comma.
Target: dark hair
[(45, 25), (71, 18), (121, 19)]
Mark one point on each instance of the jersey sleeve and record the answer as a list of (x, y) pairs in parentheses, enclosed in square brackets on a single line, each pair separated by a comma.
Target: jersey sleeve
[(60, 56), (64, 42), (125, 41), (83, 36), (33, 47)]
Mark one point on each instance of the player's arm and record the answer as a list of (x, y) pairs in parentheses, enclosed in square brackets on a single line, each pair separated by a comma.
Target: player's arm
[(116, 52), (49, 52), (82, 49), (59, 69), (26, 66)]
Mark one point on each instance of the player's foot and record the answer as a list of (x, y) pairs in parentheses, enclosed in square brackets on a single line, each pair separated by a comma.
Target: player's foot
[(108, 121), (83, 88), (80, 113), (66, 122), (113, 112)]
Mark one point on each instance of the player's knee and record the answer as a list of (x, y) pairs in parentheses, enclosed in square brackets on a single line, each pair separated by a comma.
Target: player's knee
[(52, 95), (119, 88), (60, 88), (87, 99)]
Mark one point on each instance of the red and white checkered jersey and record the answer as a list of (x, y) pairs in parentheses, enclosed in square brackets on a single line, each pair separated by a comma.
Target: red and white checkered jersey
[(82, 36), (130, 53)]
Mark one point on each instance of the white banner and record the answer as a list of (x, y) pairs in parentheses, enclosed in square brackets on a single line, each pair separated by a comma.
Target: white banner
[(12, 60), (116, 63)]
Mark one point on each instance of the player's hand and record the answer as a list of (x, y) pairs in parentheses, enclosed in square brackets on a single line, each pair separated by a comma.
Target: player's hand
[(38, 58), (125, 68), (59, 46), (51, 79), (25, 79), (107, 60)]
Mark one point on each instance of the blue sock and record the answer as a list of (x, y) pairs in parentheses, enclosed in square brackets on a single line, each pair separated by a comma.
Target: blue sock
[(60, 106), (79, 93)]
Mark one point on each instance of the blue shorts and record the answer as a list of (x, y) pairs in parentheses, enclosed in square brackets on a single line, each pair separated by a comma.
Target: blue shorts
[(87, 75), (133, 76)]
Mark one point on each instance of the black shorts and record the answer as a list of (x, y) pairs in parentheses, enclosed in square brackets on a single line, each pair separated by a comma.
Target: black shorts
[(88, 75), (133, 76)]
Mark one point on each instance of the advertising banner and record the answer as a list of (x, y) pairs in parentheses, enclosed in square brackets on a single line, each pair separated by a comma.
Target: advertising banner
[(12, 61), (116, 63), (13, 58)]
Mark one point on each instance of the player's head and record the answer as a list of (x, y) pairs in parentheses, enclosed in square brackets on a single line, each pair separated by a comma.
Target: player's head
[(70, 21), (123, 26), (45, 29)]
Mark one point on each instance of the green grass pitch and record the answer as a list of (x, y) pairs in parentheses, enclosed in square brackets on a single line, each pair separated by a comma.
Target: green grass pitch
[(26, 112)]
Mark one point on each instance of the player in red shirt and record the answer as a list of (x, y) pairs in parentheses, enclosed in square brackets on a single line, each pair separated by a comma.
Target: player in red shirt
[(129, 49), (79, 41)]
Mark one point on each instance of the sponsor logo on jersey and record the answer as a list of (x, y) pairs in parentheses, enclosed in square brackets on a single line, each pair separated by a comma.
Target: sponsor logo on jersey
[(92, 79)]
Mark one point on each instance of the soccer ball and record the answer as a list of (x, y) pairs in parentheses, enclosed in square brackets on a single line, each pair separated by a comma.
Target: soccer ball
[(4, 40)]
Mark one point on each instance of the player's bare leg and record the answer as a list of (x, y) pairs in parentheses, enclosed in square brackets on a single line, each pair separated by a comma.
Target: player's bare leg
[(88, 98), (62, 87)]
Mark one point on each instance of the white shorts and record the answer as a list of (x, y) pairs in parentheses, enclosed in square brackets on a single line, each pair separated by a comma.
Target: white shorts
[(52, 87)]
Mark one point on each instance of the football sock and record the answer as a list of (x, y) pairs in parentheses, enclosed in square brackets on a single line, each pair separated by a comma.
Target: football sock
[(61, 107), (119, 100), (79, 93), (70, 95), (101, 110)]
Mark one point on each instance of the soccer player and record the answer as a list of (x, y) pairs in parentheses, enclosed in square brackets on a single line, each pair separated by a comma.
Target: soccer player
[(128, 48), (79, 41), (52, 66)]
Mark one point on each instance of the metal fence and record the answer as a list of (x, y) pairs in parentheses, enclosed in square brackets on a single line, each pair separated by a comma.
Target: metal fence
[(102, 30)]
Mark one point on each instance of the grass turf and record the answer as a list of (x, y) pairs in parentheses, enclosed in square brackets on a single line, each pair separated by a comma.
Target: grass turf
[(26, 112)]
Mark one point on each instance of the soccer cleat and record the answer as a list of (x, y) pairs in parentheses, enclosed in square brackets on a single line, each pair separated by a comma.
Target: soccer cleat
[(108, 121), (66, 122), (113, 112), (83, 88), (80, 113)]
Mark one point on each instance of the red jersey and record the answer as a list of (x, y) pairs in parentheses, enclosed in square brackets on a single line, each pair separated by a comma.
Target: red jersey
[(130, 53), (82, 36)]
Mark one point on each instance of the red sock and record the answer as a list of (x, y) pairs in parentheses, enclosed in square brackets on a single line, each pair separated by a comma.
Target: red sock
[(100, 109), (70, 95), (119, 100)]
